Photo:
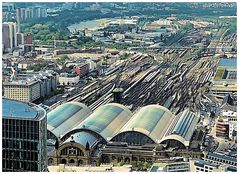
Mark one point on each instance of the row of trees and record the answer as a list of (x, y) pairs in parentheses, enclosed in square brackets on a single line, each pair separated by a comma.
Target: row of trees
[(142, 166)]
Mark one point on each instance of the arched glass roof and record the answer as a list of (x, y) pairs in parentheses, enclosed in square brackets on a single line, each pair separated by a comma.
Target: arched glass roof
[(151, 120), (66, 116), (107, 120), (82, 138), (183, 128)]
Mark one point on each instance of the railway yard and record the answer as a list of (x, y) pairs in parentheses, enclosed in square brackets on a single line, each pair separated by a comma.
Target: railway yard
[(174, 77)]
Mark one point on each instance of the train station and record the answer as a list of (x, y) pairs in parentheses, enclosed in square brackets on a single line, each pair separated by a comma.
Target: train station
[(88, 137)]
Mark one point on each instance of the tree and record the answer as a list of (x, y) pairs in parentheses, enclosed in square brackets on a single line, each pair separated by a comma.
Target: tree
[(115, 162), (64, 57), (146, 165)]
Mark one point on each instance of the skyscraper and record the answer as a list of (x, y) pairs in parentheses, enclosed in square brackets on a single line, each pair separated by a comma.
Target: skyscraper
[(24, 133), (9, 38), (18, 15)]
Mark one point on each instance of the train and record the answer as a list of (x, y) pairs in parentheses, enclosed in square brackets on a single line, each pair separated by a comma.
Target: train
[(112, 70), (134, 71), (183, 53), (168, 86), (151, 76)]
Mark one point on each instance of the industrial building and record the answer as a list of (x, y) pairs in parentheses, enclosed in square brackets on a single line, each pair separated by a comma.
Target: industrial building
[(24, 135), (112, 130)]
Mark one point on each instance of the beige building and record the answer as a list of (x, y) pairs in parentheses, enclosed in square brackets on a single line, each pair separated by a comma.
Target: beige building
[(22, 90)]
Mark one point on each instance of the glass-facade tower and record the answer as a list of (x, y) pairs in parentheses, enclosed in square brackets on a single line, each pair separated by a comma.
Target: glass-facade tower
[(24, 134)]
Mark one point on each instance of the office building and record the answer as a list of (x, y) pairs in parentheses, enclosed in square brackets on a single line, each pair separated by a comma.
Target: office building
[(220, 158), (27, 38), (229, 114), (200, 165), (47, 79), (222, 128), (30, 86), (22, 90), (24, 135)]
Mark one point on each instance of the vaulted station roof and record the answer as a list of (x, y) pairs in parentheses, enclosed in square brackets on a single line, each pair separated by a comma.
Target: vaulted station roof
[(152, 121), (107, 120), (66, 116)]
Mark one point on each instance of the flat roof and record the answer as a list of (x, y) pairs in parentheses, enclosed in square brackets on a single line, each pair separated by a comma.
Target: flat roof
[(222, 156), (201, 163), (20, 82), (228, 62), (19, 109)]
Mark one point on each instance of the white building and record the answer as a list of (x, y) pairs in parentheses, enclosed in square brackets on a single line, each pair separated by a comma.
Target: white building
[(171, 165), (230, 117), (199, 165), (92, 64), (118, 36), (68, 79)]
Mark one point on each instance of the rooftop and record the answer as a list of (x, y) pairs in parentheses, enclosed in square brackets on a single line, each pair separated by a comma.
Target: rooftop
[(20, 82), (151, 120), (222, 156), (21, 110), (228, 62), (203, 162), (107, 120), (66, 116)]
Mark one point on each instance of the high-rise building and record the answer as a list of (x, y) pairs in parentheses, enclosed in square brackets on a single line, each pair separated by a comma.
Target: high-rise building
[(20, 39), (30, 13), (24, 134), (5, 36), (18, 15), (9, 39)]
